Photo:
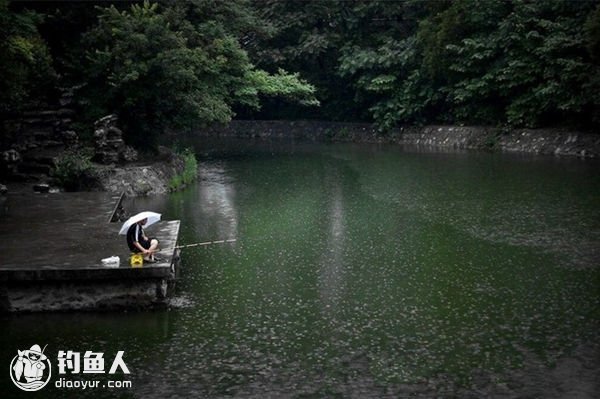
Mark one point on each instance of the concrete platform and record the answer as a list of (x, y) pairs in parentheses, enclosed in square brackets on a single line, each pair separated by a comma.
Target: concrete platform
[(51, 247)]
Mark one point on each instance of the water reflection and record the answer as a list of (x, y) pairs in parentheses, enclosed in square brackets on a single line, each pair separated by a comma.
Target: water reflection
[(331, 269), (216, 206)]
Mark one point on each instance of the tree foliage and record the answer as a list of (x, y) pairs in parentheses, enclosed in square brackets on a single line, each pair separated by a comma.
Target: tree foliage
[(188, 63), (26, 74), (175, 68), (465, 61), (305, 37)]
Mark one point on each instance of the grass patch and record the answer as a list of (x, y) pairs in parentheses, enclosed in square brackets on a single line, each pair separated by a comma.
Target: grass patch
[(190, 171)]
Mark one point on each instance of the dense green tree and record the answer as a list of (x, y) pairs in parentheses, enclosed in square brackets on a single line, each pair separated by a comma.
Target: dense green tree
[(592, 32), (176, 68), (466, 61), (380, 56), (592, 37), (187, 63), (26, 74), (306, 37), (62, 29), (482, 61), (532, 67)]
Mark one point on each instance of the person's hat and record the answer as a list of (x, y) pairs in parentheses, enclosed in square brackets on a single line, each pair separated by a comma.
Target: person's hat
[(35, 349)]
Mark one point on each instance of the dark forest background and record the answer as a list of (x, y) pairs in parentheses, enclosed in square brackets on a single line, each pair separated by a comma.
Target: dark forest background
[(187, 64)]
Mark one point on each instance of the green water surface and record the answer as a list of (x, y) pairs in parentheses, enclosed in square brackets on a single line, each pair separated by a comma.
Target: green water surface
[(357, 269)]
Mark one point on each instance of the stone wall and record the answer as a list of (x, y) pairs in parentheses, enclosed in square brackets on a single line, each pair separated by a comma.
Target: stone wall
[(311, 130), (42, 296), (538, 141), (109, 146), (141, 179), (30, 142)]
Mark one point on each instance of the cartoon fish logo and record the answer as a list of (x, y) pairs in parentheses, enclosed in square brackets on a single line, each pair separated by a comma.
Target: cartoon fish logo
[(30, 370)]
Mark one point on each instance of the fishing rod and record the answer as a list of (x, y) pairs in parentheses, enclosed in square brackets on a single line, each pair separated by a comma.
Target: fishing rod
[(206, 243), (197, 244)]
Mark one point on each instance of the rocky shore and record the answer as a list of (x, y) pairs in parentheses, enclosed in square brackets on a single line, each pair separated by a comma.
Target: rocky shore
[(118, 168), (55, 160), (139, 179), (41, 138), (559, 142)]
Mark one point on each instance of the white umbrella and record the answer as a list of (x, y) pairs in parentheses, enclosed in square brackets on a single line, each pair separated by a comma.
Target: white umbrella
[(152, 217)]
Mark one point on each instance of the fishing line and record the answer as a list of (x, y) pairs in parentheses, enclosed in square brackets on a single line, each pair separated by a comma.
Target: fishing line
[(206, 243)]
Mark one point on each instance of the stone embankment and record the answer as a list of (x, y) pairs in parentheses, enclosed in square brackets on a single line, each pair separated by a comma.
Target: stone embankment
[(29, 144), (34, 143), (118, 169), (538, 141), (140, 179)]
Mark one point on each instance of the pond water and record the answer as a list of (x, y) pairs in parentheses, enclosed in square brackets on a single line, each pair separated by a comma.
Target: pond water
[(360, 271)]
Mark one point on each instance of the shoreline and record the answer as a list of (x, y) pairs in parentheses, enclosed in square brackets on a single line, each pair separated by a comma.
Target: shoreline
[(155, 176), (145, 178), (552, 141)]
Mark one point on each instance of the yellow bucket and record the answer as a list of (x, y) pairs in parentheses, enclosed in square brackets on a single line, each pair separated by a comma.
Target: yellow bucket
[(137, 260)]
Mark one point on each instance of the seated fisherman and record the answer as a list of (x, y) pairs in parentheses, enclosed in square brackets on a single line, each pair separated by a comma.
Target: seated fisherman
[(139, 243)]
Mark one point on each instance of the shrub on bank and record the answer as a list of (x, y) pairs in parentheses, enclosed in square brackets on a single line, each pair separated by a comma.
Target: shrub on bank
[(190, 171), (74, 170)]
